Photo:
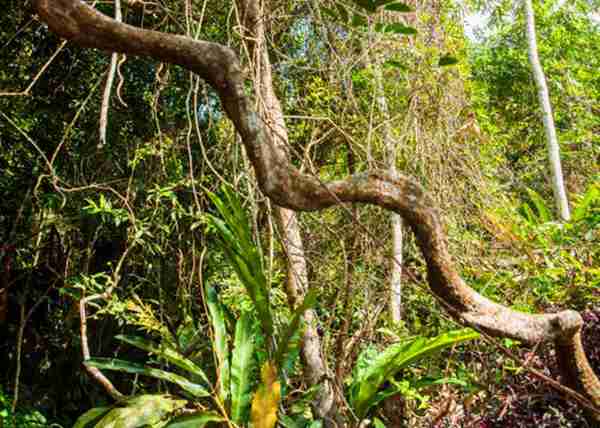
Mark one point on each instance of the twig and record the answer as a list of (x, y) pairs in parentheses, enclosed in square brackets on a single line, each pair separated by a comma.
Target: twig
[(85, 350), (109, 84), (24, 318), (19, 347), (26, 91)]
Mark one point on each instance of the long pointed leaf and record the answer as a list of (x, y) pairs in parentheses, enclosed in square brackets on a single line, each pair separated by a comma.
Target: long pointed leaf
[(543, 212), (129, 367), (591, 195), (142, 411), (396, 357), (242, 366), (167, 353), (91, 417), (261, 297), (197, 420), (221, 341), (286, 337)]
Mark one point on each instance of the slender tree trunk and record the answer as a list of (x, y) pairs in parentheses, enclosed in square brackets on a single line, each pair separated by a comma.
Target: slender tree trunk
[(297, 276), (558, 185), (112, 69), (390, 145)]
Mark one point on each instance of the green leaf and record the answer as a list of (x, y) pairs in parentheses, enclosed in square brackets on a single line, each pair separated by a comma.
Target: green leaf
[(167, 353), (395, 64), (221, 344), (91, 417), (243, 255), (369, 5), (399, 7), (242, 367), (141, 411), (540, 206), (287, 422), (134, 368), (396, 28), (257, 289), (591, 196), (377, 423), (358, 21), (528, 213), (196, 420), (367, 383), (286, 337), (447, 60)]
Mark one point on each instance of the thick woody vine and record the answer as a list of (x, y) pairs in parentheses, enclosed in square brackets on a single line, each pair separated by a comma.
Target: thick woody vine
[(289, 188)]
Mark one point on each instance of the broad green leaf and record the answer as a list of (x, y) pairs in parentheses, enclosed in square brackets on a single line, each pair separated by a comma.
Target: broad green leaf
[(91, 417), (287, 422), (377, 423), (242, 368), (398, 7), (221, 345), (393, 359), (141, 411), (591, 196), (196, 420), (447, 60), (167, 353), (129, 367)]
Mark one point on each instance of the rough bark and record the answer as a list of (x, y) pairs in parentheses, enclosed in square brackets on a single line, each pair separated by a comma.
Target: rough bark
[(289, 188), (558, 185), (271, 114)]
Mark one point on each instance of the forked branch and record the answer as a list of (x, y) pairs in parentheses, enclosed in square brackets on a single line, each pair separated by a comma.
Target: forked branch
[(289, 188)]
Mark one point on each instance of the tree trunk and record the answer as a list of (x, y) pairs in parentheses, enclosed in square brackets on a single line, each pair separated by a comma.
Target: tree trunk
[(297, 275), (558, 185), (390, 145)]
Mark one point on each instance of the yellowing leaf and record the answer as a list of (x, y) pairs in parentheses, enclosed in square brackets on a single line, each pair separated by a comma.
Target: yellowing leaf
[(266, 399)]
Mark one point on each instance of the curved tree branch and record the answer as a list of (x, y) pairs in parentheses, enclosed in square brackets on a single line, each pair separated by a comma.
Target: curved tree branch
[(289, 188)]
